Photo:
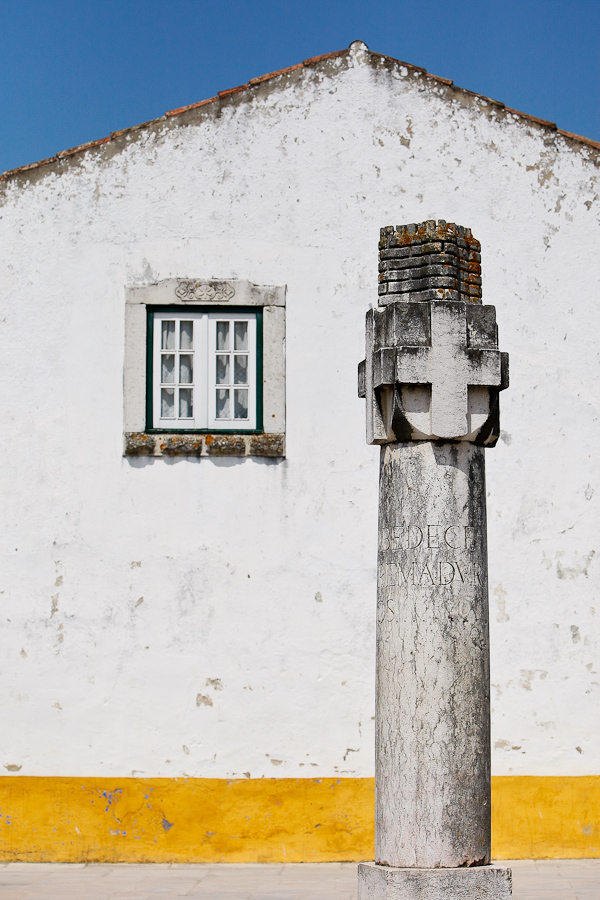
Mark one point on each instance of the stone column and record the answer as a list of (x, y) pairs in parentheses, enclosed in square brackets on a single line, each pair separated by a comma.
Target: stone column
[(431, 379)]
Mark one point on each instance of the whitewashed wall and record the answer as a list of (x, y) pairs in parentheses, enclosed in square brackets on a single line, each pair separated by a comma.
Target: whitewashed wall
[(216, 618)]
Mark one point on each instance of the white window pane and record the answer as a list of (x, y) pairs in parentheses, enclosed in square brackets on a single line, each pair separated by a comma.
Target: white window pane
[(215, 352), (241, 336), (186, 371), (240, 370), (167, 368), (222, 370), (222, 335), (223, 404), (240, 408), (167, 403), (168, 336), (186, 408), (186, 335)]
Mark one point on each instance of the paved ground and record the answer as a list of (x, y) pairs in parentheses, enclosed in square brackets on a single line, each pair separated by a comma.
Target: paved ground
[(567, 879)]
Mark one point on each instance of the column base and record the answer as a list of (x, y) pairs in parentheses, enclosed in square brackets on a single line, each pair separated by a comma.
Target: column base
[(474, 883)]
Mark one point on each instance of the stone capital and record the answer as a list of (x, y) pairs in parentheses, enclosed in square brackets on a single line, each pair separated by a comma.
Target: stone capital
[(433, 370)]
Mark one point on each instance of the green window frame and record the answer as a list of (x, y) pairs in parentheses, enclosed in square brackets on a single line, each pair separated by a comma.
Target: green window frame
[(201, 361)]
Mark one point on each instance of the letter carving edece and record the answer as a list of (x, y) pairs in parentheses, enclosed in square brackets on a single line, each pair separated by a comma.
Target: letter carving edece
[(202, 291), (427, 537)]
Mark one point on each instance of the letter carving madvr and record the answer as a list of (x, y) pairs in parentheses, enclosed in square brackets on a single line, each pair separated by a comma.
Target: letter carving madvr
[(432, 555)]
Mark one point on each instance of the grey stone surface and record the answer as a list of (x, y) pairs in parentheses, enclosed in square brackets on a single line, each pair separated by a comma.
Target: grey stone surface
[(186, 291), (550, 879), (425, 243), (425, 271), (204, 445), (429, 259), (432, 745), (394, 250), (432, 371), (419, 284), (428, 294), (417, 251), (481, 882)]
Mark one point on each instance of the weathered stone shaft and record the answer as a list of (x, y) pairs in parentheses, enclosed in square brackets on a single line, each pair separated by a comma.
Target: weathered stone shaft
[(432, 711)]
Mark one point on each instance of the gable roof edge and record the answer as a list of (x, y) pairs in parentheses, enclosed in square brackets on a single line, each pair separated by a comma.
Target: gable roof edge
[(307, 63)]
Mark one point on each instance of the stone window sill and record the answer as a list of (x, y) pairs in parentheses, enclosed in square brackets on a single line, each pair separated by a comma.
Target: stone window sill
[(204, 445)]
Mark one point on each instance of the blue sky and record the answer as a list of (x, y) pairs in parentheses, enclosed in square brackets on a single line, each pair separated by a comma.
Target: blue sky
[(74, 70)]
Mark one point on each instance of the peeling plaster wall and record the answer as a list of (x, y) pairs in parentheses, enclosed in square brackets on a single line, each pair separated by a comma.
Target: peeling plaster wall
[(215, 618)]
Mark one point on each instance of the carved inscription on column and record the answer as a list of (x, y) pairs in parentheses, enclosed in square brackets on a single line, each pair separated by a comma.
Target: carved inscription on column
[(432, 732), (433, 554)]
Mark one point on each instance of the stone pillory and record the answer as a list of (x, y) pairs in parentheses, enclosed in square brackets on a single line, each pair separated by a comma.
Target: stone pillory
[(431, 379)]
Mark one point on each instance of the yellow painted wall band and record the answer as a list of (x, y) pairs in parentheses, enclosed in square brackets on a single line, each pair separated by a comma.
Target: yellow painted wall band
[(545, 817), (264, 820)]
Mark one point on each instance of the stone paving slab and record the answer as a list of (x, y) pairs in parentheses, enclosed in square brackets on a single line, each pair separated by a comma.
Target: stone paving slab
[(549, 879)]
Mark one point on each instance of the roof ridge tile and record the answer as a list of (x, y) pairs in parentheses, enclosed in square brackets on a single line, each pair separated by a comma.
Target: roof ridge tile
[(270, 75), (400, 62), (580, 138), (28, 166), (234, 90), (323, 56), (88, 146), (122, 131), (182, 109), (517, 112), (439, 78)]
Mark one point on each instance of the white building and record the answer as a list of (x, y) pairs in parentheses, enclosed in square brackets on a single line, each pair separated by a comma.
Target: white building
[(188, 620)]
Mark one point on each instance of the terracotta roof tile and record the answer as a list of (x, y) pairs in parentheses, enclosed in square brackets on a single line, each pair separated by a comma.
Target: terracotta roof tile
[(87, 146), (262, 78), (316, 59), (235, 90), (182, 109), (26, 168), (545, 122), (438, 78), (122, 131), (400, 62), (482, 97), (492, 101), (578, 137)]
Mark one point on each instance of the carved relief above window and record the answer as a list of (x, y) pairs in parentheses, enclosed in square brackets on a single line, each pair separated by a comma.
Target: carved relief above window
[(205, 291)]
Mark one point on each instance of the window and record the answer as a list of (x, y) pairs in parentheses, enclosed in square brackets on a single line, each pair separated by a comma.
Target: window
[(204, 370)]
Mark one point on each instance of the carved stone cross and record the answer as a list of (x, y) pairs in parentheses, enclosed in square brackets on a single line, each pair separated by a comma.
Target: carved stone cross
[(433, 371), (450, 367)]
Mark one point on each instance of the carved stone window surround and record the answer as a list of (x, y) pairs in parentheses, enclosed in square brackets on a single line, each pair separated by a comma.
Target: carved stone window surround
[(182, 292)]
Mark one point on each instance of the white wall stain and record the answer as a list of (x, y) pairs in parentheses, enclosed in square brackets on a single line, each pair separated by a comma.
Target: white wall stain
[(579, 566), (501, 595)]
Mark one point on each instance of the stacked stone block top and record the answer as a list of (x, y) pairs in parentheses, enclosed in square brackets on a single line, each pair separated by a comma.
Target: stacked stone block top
[(429, 261)]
